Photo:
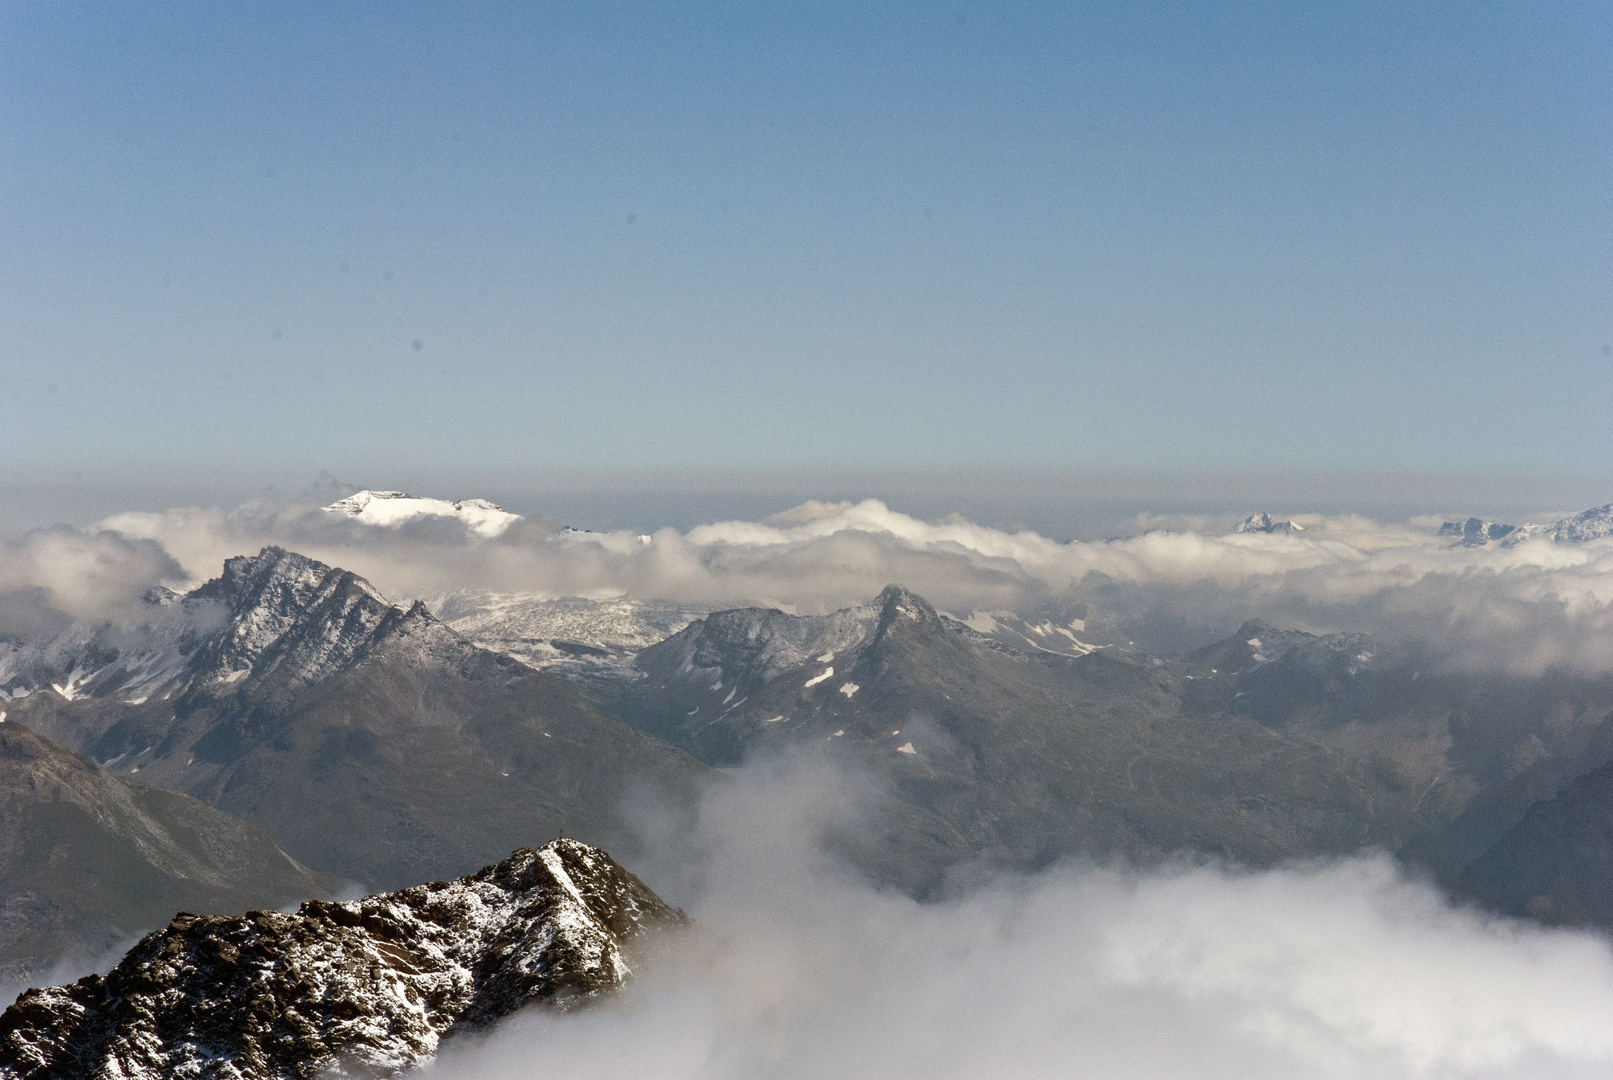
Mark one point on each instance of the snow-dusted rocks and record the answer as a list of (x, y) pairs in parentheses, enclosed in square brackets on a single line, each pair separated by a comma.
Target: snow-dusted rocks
[(289, 613), (368, 987), (1475, 532), (577, 638), (1262, 523), (1593, 524), (276, 611), (391, 508)]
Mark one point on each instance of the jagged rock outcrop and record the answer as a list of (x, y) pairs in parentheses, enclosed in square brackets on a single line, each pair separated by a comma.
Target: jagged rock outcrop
[(1263, 523), (1475, 532), (364, 988)]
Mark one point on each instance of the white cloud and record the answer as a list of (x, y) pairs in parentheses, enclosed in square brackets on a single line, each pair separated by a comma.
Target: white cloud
[(86, 574), (795, 969), (1521, 608)]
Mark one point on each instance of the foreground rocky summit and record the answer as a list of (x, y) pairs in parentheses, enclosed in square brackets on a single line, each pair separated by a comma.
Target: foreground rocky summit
[(365, 988)]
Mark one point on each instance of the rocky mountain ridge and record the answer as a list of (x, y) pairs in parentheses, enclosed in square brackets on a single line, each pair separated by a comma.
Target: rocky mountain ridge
[(1263, 523), (302, 697), (1270, 744), (1593, 524), (369, 987)]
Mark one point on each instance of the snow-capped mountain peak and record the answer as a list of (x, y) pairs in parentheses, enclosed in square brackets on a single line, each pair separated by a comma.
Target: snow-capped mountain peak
[(1262, 523), (393, 508), (1476, 532), (276, 611), (1593, 524)]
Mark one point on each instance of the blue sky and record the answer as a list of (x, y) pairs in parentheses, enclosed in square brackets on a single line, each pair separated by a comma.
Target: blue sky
[(751, 237)]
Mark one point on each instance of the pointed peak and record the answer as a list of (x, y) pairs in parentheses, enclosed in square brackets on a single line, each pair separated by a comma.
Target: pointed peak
[(249, 575), (1263, 523), (898, 602)]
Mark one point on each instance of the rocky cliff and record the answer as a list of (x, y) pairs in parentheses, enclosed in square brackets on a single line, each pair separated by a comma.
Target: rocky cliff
[(364, 988)]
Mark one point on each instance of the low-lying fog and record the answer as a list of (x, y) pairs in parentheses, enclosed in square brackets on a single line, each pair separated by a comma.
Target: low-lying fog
[(796, 969)]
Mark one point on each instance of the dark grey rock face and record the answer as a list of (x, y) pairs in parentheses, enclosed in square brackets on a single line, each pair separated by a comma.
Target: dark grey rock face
[(366, 988), (1016, 756), (1556, 864), (1271, 744), (1475, 532), (90, 859), (306, 699)]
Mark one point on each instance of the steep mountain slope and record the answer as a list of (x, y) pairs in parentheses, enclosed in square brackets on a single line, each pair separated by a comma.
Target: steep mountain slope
[(1482, 748), (369, 987), (304, 699), (1021, 757), (89, 859), (1267, 745), (1556, 863)]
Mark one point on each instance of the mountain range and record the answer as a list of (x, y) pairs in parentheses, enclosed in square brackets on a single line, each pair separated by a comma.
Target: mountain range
[(1593, 524), (1268, 745), (287, 695), (293, 695), (394, 508)]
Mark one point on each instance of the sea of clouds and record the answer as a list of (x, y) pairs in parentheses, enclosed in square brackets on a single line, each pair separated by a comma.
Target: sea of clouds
[(1523, 609), (795, 969)]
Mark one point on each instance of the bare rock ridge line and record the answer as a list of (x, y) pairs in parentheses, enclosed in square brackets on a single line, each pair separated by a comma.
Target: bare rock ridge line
[(369, 987)]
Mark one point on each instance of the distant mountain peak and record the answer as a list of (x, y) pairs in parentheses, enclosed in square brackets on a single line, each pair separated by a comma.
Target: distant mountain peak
[(291, 613), (1475, 532), (900, 602), (1593, 524), (393, 508), (1263, 523)]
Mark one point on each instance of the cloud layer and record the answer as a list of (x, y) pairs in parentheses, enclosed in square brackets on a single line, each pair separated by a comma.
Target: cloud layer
[(1337, 970), (1519, 609), (61, 573)]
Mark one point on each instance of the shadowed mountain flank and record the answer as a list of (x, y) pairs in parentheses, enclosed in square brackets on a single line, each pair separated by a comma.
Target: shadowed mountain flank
[(299, 698), (89, 859)]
